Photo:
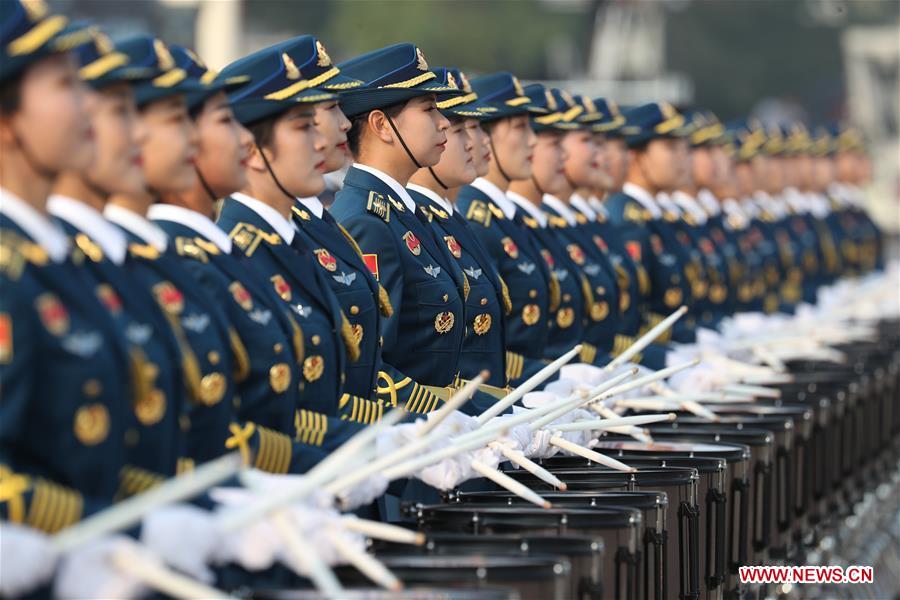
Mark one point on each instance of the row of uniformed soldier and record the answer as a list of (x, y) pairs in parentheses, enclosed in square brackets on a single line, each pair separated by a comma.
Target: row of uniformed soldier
[(145, 327)]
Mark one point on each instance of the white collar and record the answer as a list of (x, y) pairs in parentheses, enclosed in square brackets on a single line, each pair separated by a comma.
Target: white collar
[(795, 199), (497, 195), (583, 205), (709, 201), (665, 202), (138, 225), (690, 205), (199, 222), (391, 183), (433, 196), (597, 204), (313, 204), (87, 219), (750, 206), (271, 216), (818, 205), (561, 207), (526, 205), (45, 233), (643, 197)]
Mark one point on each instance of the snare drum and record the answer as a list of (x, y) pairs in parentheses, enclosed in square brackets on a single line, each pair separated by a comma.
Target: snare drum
[(761, 444), (620, 528), (653, 509), (531, 577), (584, 553)]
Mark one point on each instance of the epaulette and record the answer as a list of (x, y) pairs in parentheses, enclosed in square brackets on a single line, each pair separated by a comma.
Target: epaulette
[(185, 246), (689, 219), (634, 213), (515, 363), (531, 222), (248, 237), (478, 213), (398, 205), (557, 222), (379, 207), (496, 211), (439, 213), (670, 216), (88, 247), (207, 246), (144, 251)]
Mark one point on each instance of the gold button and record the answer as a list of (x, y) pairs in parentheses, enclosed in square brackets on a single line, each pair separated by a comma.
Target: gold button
[(316, 339), (213, 357), (483, 301), (354, 310), (532, 294), (601, 290), (92, 388), (567, 297), (132, 437), (278, 347), (184, 422)]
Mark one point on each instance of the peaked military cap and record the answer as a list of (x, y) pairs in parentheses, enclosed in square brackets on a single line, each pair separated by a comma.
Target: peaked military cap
[(29, 32), (276, 84), (611, 120), (822, 143), (315, 64), (194, 66), (466, 104), (847, 138), (706, 129), (651, 121), (554, 117), (746, 137), (390, 76), (100, 64), (152, 53), (503, 92)]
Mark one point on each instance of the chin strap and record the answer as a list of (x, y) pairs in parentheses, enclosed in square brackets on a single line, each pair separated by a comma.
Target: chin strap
[(497, 159), (272, 174), (206, 186)]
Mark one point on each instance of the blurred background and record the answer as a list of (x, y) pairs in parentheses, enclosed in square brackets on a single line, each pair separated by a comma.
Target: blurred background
[(818, 61)]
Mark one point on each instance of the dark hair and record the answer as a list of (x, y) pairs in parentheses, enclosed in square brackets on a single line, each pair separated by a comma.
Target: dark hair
[(11, 95), (358, 124), (264, 131)]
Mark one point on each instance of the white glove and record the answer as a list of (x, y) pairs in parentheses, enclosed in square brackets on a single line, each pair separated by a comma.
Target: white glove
[(563, 388), (540, 447), (88, 572), (489, 457), (456, 423), (312, 525), (28, 559), (254, 547), (538, 399), (583, 373), (185, 536), (364, 492), (448, 473), (261, 482)]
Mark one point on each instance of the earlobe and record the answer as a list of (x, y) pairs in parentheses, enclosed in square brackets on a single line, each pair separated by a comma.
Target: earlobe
[(255, 161), (378, 124)]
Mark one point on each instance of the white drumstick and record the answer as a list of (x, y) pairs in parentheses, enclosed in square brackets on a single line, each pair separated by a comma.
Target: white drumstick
[(162, 579), (366, 564), (307, 559), (383, 531), (564, 444), (646, 339), (510, 484), (606, 424), (516, 457)]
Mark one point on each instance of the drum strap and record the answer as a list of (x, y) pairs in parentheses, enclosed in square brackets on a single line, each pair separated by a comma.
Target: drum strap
[(689, 546), (715, 538)]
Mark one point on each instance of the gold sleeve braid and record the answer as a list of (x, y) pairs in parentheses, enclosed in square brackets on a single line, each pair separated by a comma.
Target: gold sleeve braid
[(423, 399), (134, 480), (622, 343), (363, 411), (310, 427), (274, 455), (515, 363), (588, 353), (52, 506)]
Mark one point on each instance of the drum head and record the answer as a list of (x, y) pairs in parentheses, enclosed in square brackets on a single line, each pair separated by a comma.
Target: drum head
[(643, 500), (510, 519), (496, 545), (726, 451)]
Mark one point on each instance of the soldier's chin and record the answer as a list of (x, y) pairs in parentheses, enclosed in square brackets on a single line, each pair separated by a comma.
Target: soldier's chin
[(312, 185)]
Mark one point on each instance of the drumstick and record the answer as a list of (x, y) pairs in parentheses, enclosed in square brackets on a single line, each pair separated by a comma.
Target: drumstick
[(366, 564), (460, 397), (510, 484), (772, 379), (414, 464), (529, 465), (564, 444), (383, 531), (646, 339), (130, 511), (650, 403), (606, 424), (769, 358), (699, 410), (754, 390), (161, 578), (305, 556), (608, 413), (528, 385), (575, 400)]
